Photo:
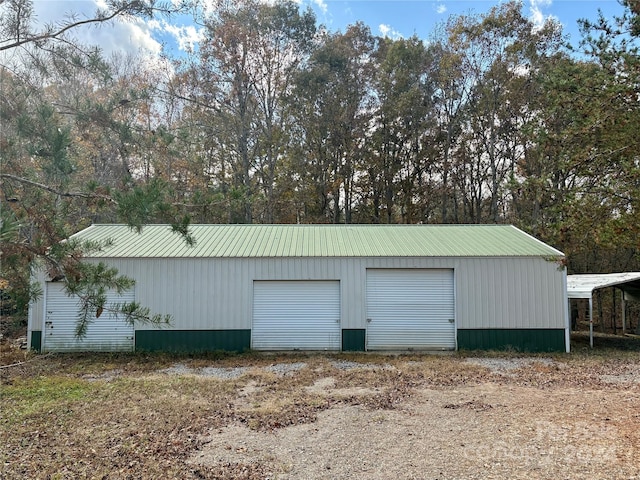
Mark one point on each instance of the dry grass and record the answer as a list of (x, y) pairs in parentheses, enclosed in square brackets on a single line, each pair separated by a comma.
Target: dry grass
[(121, 417)]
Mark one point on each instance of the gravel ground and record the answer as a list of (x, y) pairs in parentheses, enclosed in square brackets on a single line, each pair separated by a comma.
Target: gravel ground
[(480, 432), (495, 429), (506, 366), (348, 365), (217, 372), (280, 369), (285, 368)]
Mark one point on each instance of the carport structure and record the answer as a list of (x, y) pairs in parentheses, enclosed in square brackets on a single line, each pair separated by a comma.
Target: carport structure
[(582, 286)]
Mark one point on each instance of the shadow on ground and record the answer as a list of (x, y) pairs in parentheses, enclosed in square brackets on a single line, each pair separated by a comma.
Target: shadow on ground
[(605, 341)]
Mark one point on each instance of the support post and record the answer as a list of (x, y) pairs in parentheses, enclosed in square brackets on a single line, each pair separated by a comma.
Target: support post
[(567, 327), (624, 313), (591, 320), (614, 311), (567, 313)]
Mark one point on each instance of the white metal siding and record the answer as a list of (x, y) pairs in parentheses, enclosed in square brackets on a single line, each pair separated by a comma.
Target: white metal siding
[(217, 294), (510, 293), (301, 315), (106, 333), (410, 309)]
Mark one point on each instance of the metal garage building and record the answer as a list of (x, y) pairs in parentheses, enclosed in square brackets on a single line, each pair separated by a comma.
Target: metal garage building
[(323, 287)]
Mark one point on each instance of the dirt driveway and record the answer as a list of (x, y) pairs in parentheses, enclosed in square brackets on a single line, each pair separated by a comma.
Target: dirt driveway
[(501, 428), (321, 417)]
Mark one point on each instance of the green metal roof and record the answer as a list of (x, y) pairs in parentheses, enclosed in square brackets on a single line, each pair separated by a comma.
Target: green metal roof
[(251, 241)]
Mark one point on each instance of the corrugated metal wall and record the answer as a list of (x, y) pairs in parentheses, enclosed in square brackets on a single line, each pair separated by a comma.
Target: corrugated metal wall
[(109, 333), (206, 293)]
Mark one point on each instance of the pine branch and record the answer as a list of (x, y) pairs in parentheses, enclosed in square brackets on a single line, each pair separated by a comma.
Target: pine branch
[(192, 100), (55, 191), (52, 35), (121, 8), (86, 195)]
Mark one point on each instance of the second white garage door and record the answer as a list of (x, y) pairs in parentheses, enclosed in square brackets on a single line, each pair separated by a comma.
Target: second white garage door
[(410, 309), (296, 315)]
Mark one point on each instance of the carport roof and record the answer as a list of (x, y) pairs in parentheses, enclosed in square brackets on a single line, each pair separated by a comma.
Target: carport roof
[(245, 241), (583, 285)]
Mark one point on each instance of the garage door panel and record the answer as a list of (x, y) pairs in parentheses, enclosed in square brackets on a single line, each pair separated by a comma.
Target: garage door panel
[(108, 333), (414, 309), (410, 309), (300, 315)]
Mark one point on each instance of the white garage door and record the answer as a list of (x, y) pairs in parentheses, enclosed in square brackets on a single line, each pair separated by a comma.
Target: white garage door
[(410, 309), (108, 333), (290, 315)]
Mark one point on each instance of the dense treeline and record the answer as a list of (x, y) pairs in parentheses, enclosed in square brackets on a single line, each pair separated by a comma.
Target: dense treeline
[(273, 119)]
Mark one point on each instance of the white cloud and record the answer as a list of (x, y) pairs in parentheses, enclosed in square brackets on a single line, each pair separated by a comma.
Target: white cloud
[(125, 35), (387, 31), (322, 5), (132, 36), (537, 16), (440, 8), (186, 36), (100, 3)]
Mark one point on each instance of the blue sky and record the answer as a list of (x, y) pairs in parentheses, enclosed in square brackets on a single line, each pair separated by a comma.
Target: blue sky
[(393, 18), (408, 17)]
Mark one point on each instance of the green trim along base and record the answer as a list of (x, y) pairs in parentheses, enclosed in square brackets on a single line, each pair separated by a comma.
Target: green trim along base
[(193, 340), (36, 340), (521, 340), (353, 339)]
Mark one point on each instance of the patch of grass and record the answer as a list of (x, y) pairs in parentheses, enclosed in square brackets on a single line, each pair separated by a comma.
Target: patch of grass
[(31, 396), (130, 426)]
